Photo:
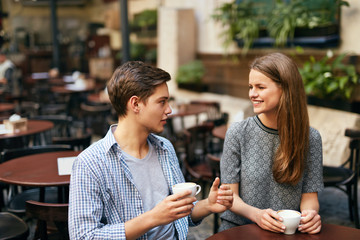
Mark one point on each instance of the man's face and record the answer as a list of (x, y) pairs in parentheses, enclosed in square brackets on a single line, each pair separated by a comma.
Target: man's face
[(153, 113)]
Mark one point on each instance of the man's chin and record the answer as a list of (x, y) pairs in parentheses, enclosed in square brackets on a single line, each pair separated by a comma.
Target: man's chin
[(157, 131)]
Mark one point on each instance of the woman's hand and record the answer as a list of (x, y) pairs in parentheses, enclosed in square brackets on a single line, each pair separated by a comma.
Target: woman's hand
[(311, 222), (220, 199), (269, 220)]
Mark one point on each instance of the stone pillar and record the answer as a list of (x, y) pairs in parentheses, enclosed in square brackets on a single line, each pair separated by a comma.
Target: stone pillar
[(176, 40)]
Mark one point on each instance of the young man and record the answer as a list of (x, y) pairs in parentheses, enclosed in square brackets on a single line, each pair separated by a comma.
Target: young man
[(121, 185)]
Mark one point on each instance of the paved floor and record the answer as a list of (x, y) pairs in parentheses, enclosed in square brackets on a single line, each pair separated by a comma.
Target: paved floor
[(333, 209)]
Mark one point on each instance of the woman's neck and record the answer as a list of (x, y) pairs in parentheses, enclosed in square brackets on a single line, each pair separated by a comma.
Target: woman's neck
[(269, 120)]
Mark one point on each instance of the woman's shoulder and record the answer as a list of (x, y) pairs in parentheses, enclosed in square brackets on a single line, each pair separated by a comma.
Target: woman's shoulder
[(241, 126), (314, 133)]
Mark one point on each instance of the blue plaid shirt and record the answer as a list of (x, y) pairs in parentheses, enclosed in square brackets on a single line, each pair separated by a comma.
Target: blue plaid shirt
[(103, 195)]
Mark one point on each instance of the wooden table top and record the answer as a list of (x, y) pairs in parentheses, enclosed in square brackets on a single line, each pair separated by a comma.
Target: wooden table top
[(100, 97), (72, 88), (252, 231), (37, 170), (33, 127), (187, 110), (4, 107)]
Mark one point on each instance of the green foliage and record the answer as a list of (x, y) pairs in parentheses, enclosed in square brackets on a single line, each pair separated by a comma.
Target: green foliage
[(239, 22), (145, 19), (285, 17), (244, 19), (329, 78), (137, 52), (191, 72)]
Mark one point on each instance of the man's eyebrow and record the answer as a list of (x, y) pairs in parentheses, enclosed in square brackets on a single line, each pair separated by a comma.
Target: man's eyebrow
[(164, 97)]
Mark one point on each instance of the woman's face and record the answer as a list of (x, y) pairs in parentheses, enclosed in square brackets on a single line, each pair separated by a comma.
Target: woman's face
[(264, 93)]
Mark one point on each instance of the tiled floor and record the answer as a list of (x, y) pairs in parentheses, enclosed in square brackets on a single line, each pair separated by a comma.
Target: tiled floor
[(333, 209)]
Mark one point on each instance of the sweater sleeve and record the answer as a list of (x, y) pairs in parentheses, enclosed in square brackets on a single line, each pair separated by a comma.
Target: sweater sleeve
[(313, 175)]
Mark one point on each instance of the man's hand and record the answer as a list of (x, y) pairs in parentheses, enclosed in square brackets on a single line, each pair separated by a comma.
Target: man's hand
[(220, 199), (173, 207)]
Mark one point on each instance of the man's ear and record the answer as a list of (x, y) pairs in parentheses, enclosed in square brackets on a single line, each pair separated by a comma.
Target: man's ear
[(133, 104)]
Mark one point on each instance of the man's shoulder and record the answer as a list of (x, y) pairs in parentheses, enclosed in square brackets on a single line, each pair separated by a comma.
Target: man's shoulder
[(94, 151)]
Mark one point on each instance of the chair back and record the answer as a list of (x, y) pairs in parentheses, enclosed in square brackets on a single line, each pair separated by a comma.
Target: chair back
[(49, 212), (9, 154), (354, 145), (96, 117), (12, 227), (76, 143), (197, 141), (213, 112), (345, 177), (214, 163), (62, 124)]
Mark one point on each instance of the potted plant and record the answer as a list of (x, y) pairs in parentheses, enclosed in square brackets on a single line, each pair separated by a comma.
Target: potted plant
[(329, 81), (240, 23), (189, 76), (144, 23), (302, 18), (245, 21), (285, 17)]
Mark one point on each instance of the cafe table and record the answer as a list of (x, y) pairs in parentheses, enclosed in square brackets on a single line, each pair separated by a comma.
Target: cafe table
[(253, 231), (99, 98), (6, 107), (187, 110), (36, 170), (33, 127)]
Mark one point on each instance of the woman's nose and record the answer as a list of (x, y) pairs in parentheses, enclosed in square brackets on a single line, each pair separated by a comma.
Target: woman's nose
[(252, 92)]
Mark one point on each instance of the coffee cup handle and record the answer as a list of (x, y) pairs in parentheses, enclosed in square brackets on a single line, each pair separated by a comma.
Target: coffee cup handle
[(198, 189), (300, 219)]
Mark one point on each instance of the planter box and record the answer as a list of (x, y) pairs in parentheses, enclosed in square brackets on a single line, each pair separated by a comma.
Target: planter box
[(196, 87), (335, 104)]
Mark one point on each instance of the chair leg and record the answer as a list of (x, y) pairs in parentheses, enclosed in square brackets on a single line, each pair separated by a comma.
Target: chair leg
[(216, 222), (350, 201), (356, 208)]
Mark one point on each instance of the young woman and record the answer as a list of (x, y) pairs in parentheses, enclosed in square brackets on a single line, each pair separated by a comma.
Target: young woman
[(273, 160)]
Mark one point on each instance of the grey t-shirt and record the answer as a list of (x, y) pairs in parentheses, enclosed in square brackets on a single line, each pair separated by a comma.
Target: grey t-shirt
[(152, 186), (247, 159)]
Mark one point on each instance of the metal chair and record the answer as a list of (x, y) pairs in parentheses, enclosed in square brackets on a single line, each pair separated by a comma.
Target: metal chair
[(61, 127), (15, 200), (346, 176), (12, 227), (214, 113), (77, 143), (45, 213), (95, 117), (196, 167)]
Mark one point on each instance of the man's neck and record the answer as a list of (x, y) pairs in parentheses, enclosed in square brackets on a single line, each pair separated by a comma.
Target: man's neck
[(131, 138)]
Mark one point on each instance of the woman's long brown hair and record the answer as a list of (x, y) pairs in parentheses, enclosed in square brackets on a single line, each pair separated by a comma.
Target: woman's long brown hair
[(292, 117)]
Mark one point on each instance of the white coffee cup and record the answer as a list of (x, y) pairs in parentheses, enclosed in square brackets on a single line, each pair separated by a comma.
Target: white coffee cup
[(291, 220), (180, 187)]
